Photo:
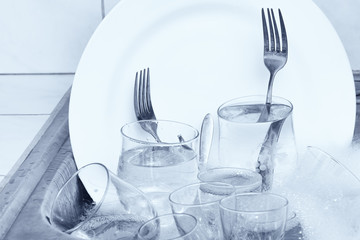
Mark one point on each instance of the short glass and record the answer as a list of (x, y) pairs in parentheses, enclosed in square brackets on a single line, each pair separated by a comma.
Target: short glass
[(254, 216), (244, 180), (178, 226), (95, 203), (157, 167), (202, 201), (264, 146)]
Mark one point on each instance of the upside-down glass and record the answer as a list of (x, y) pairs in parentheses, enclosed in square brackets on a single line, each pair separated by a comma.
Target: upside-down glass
[(268, 146), (244, 180), (254, 216), (95, 203), (202, 201), (325, 188), (178, 226), (157, 168)]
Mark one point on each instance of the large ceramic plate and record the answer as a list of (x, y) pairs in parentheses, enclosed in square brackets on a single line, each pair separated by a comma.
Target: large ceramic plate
[(202, 53)]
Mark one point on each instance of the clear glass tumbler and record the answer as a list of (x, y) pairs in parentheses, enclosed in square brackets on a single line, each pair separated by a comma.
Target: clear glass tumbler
[(265, 146), (202, 201), (177, 226), (95, 203), (254, 216), (159, 165)]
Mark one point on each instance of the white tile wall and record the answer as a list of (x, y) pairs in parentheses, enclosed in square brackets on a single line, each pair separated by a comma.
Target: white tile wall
[(45, 35), (32, 94), (26, 102), (17, 134)]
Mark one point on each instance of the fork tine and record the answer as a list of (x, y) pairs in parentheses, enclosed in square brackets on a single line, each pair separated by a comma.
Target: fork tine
[(265, 31), (283, 33), (136, 95), (148, 95), (146, 90), (277, 37), (142, 94), (271, 31)]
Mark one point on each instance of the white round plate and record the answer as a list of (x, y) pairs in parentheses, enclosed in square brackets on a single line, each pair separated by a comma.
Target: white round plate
[(202, 53)]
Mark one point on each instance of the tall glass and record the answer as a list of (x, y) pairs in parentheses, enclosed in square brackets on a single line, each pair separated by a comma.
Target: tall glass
[(254, 216), (157, 167), (202, 201), (95, 203), (264, 146)]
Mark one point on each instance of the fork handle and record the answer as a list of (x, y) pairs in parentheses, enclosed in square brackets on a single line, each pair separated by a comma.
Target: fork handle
[(266, 110), (270, 87), (265, 161), (151, 128)]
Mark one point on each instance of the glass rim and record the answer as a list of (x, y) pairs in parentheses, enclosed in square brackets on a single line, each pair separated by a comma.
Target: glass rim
[(96, 208), (214, 183), (186, 141), (255, 184), (284, 205), (289, 103), (168, 215)]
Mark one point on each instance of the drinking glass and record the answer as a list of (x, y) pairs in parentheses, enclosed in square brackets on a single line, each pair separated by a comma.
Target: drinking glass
[(324, 188), (244, 180), (202, 201), (254, 216), (179, 226), (264, 146), (95, 203), (326, 178), (158, 167), (293, 229)]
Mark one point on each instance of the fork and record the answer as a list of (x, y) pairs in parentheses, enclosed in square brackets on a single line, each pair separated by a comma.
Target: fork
[(142, 103), (275, 57), (143, 106), (275, 54)]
